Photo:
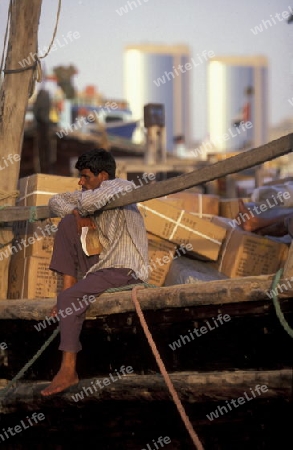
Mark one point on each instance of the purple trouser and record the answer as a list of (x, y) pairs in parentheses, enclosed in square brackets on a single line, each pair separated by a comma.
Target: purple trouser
[(68, 258)]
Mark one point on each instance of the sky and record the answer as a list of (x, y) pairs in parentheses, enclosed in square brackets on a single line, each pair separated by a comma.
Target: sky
[(222, 26)]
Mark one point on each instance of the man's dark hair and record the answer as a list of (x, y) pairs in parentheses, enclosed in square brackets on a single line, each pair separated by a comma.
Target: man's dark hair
[(97, 160)]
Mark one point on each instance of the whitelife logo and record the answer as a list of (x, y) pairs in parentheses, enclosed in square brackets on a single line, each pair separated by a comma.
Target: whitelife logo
[(258, 209), (131, 5), (145, 179), (271, 21), (24, 243), (231, 133), (161, 440), (10, 159), (65, 313), (237, 402), (184, 339), (201, 58), (12, 431), (80, 122), (102, 383), (70, 37), (280, 288)]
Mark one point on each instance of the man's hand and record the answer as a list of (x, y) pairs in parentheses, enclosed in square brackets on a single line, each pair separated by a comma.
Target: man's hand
[(277, 229), (83, 221), (54, 312)]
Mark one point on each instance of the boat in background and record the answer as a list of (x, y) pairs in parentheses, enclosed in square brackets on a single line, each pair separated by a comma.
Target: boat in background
[(117, 121)]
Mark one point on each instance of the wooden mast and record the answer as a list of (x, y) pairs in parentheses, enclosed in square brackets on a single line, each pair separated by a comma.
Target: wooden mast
[(14, 95)]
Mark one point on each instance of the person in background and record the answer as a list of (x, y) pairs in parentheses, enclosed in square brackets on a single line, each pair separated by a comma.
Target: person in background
[(274, 226), (123, 259)]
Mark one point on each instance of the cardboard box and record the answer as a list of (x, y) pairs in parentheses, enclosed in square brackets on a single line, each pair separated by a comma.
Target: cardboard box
[(37, 189), (31, 278), (248, 254), (229, 207), (5, 242), (161, 254), (180, 227), (36, 238), (195, 202)]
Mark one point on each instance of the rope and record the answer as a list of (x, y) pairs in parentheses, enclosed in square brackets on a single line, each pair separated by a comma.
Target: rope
[(279, 312), (5, 244), (164, 372), (21, 69), (33, 214), (5, 194), (55, 31), (36, 66), (4, 391), (128, 287), (6, 34)]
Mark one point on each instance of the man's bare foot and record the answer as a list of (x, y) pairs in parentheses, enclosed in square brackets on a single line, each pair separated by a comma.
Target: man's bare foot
[(62, 380)]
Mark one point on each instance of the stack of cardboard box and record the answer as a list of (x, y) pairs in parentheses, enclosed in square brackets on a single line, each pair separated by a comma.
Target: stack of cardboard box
[(31, 249), (37, 189), (233, 251), (247, 254)]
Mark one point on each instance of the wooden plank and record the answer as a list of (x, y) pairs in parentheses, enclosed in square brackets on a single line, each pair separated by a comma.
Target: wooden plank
[(220, 292), (14, 213), (220, 169), (199, 387)]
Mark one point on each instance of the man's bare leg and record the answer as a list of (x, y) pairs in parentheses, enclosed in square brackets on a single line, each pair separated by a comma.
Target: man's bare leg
[(65, 377), (68, 281)]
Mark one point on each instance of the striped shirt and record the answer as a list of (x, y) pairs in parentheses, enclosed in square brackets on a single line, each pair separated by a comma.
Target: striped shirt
[(121, 230)]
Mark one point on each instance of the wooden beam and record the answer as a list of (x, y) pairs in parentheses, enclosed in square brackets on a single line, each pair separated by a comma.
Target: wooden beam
[(192, 387), (220, 292), (220, 169), (14, 95), (15, 213)]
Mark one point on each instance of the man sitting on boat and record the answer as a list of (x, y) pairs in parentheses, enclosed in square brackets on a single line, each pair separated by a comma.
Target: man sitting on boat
[(123, 259)]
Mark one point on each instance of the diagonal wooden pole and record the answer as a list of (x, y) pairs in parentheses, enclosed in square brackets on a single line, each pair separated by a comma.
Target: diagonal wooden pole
[(220, 169), (242, 161)]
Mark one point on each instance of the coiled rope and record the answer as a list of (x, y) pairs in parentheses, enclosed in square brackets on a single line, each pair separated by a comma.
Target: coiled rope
[(278, 310)]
